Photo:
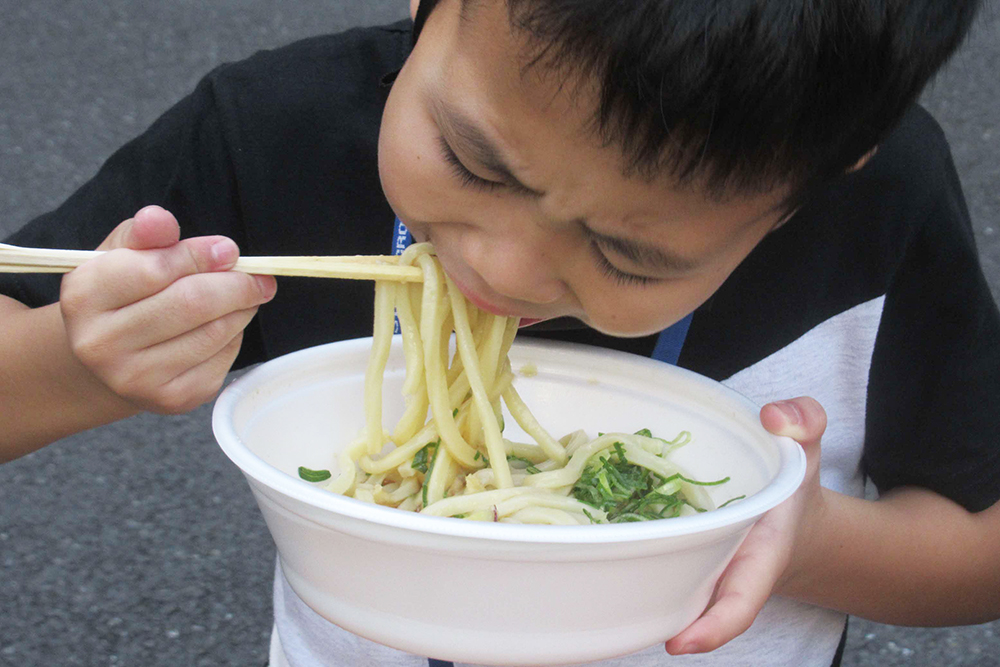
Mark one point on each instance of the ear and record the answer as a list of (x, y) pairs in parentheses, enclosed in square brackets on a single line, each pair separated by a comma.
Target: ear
[(413, 8)]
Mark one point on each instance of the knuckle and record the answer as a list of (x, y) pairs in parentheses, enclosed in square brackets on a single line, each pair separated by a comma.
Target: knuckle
[(156, 270), (193, 257), (73, 293), (150, 270), (196, 299), (216, 334), (92, 350)]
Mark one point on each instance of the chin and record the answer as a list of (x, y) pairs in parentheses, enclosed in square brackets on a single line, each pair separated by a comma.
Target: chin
[(621, 332)]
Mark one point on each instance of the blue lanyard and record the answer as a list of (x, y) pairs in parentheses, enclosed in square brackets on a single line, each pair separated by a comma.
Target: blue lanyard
[(671, 340), (401, 240), (668, 343)]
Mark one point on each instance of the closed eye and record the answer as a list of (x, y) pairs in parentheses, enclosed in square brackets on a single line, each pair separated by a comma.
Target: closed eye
[(462, 173), (617, 275)]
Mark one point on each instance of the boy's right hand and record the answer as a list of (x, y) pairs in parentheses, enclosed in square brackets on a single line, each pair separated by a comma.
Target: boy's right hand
[(157, 320)]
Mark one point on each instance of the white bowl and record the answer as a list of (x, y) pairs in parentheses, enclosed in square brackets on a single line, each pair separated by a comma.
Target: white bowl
[(490, 593)]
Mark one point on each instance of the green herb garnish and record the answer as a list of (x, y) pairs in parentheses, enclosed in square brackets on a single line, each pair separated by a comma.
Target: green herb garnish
[(528, 465), (430, 468), (421, 457), (629, 492), (313, 475), (696, 482)]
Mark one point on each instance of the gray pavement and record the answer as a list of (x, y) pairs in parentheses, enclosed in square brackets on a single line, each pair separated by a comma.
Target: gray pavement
[(139, 543)]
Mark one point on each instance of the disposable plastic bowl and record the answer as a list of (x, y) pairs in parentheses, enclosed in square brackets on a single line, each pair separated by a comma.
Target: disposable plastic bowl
[(495, 593)]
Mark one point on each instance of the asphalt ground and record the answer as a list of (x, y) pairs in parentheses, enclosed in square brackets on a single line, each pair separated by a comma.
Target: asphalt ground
[(139, 543)]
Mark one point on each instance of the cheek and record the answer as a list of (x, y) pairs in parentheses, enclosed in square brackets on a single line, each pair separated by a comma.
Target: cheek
[(637, 311), (415, 180), (398, 160)]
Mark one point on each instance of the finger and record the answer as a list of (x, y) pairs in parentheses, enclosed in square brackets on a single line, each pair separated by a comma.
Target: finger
[(199, 384), (125, 276), (151, 227), (803, 419), (741, 593), (184, 352), (149, 378), (189, 303)]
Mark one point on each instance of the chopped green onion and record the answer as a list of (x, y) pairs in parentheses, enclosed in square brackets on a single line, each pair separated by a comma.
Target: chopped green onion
[(528, 465), (420, 458), (430, 468), (313, 475), (629, 492), (696, 482), (731, 500)]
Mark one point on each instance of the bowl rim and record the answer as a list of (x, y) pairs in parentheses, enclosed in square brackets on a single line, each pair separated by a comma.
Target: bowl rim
[(791, 466)]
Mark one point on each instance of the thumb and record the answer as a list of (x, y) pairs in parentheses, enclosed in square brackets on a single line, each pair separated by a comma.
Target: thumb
[(802, 419), (152, 227)]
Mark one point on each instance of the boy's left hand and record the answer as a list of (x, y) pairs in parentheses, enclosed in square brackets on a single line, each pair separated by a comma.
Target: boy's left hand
[(768, 554)]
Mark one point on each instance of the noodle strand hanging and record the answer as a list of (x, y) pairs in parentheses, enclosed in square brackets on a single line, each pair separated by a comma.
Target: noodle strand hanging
[(447, 455)]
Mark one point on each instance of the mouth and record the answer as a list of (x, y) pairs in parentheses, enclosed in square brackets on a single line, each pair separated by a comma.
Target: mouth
[(478, 301), (474, 296), (488, 306)]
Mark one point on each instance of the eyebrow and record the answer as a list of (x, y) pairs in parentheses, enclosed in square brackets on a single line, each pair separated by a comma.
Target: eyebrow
[(482, 149), (638, 252)]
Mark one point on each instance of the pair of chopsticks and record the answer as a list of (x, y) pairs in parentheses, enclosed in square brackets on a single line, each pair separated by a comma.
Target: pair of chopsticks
[(14, 259)]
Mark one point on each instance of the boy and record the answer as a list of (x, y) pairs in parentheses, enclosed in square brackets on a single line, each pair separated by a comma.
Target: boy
[(710, 177)]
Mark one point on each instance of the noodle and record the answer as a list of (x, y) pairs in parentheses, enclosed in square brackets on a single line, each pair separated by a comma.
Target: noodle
[(457, 462)]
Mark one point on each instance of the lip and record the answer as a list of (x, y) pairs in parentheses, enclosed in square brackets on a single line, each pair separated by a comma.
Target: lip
[(481, 302), (478, 301)]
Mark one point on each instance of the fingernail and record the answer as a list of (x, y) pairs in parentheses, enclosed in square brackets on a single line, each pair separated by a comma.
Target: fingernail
[(268, 287), (687, 648), (224, 252), (790, 410)]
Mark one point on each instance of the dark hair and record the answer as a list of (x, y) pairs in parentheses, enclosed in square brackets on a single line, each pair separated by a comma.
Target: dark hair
[(744, 95)]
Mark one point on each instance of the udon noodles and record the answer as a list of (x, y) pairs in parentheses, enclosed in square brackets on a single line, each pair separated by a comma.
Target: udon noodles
[(456, 462)]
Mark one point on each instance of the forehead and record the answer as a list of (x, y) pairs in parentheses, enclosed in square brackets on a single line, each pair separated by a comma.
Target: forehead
[(540, 117)]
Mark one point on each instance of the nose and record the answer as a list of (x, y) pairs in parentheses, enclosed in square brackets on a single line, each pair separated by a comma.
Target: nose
[(520, 268)]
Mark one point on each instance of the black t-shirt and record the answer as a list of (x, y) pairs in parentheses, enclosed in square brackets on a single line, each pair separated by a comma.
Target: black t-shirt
[(279, 153)]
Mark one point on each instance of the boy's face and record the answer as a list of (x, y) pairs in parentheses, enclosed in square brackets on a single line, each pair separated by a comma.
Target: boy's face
[(530, 215)]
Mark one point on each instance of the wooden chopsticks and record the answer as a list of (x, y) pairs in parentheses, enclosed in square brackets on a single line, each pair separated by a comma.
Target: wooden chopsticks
[(15, 259)]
